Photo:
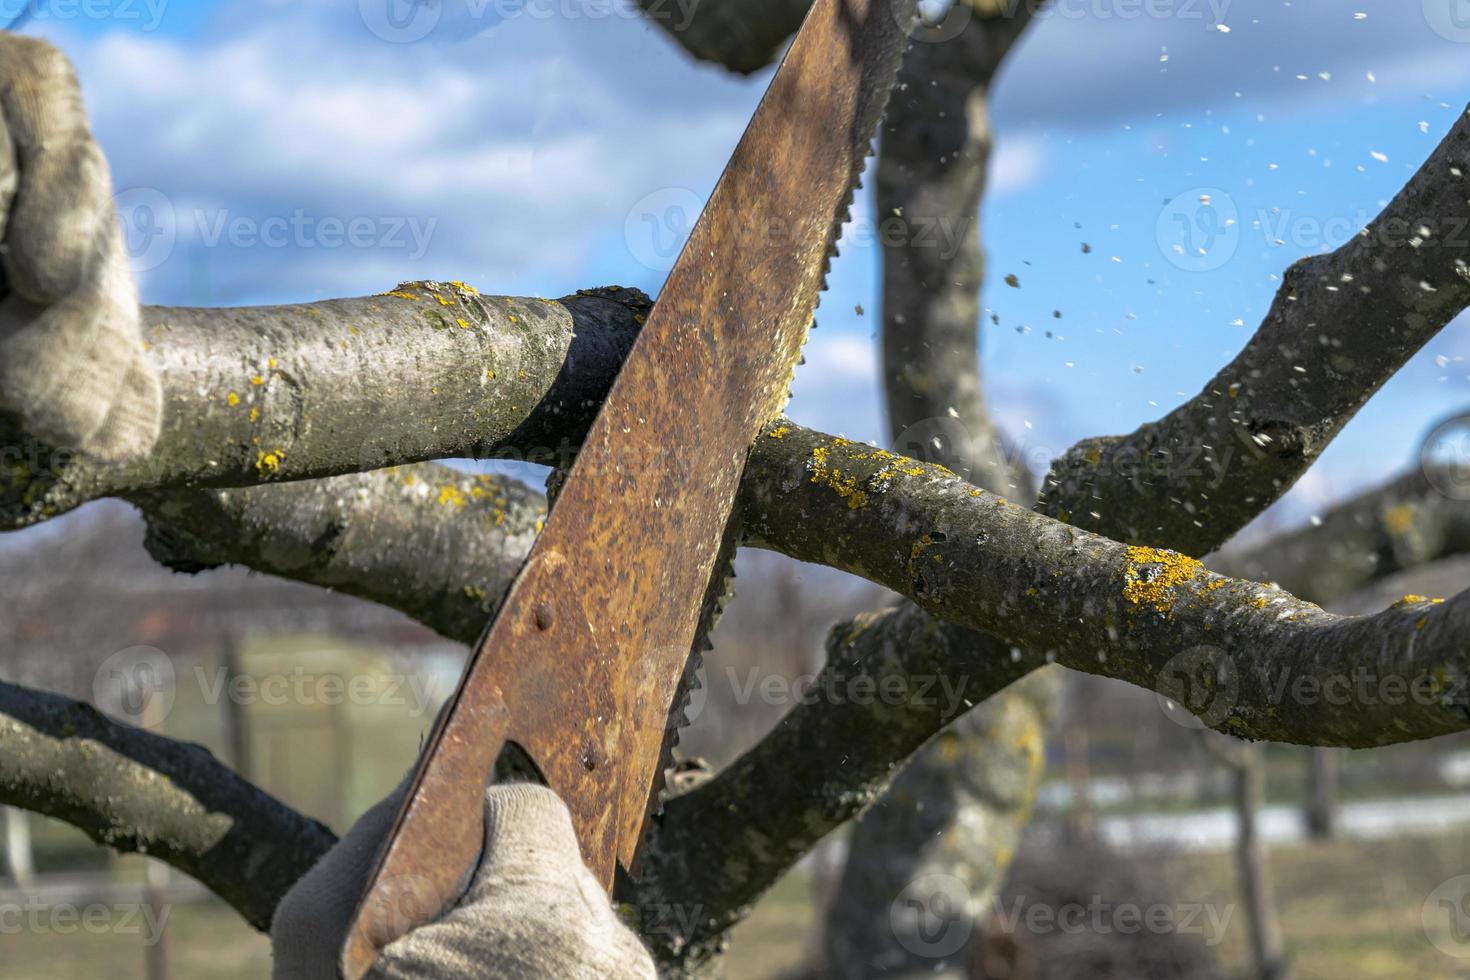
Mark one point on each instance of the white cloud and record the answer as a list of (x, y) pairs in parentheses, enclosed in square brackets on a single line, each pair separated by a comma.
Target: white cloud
[(1090, 64), (837, 389), (518, 151), (1018, 163)]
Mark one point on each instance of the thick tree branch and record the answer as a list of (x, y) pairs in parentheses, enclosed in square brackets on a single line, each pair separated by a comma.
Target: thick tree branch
[(1340, 326), (1137, 614), (427, 371), (891, 681), (276, 528), (908, 650), (136, 791), (322, 408), (748, 35), (1274, 653), (430, 540), (743, 35), (932, 167)]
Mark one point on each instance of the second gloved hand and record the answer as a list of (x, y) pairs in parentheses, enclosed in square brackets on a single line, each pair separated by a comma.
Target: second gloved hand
[(72, 364)]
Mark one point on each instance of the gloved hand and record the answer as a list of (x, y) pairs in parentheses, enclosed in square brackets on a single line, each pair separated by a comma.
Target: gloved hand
[(72, 364), (532, 911)]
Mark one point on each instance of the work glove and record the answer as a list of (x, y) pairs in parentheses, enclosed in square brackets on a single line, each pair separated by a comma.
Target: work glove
[(532, 910), (72, 362)]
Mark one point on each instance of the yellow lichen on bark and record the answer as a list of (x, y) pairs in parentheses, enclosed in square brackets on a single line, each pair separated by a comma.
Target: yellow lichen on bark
[(268, 463), (844, 485), (1398, 520), (1153, 574), (1414, 600)]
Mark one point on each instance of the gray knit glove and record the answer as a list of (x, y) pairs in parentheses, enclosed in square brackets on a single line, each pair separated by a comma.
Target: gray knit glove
[(533, 909), (72, 364)]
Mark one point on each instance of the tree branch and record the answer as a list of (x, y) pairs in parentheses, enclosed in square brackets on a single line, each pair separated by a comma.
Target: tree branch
[(1340, 326), (717, 848), (742, 35), (932, 167), (747, 35), (1404, 523), (1137, 614), (322, 409), (136, 791), (432, 541), (427, 371), (1267, 641)]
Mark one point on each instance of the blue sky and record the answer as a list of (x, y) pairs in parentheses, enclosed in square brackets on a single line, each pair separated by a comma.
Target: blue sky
[(539, 146)]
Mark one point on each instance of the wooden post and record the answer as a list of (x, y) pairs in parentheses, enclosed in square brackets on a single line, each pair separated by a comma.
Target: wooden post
[(155, 895), (1321, 809), (1249, 771), (155, 872), (19, 860), (339, 772), (236, 715), (1076, 753)]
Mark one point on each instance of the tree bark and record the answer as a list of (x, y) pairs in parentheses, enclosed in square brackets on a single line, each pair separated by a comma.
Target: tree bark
[(272, 394), (1404, 523), (435, 542), (891, 681), (945, 830), (742, 35), (1280, 669), (716, 848), (136, 791)]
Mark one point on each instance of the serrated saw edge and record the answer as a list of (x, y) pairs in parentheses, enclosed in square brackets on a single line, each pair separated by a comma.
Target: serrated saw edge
[(721, 588)]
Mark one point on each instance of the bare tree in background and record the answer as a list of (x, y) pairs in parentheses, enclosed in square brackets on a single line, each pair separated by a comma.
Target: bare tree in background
[(314, 475)]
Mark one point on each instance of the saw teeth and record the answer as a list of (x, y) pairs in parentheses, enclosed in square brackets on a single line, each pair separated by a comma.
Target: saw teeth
[(721, 588)]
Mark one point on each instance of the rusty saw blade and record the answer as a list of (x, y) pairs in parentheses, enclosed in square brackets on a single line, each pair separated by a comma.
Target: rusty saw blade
[(581, 668)]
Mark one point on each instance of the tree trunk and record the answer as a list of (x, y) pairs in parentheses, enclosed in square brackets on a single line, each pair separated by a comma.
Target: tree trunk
[(155, 872), (155, 896), (926, 861), (1269, 958)]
